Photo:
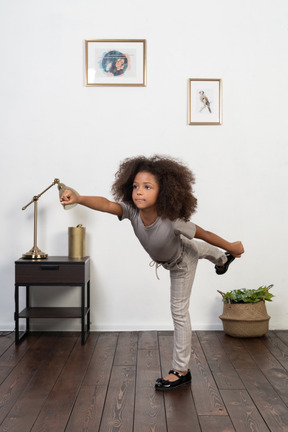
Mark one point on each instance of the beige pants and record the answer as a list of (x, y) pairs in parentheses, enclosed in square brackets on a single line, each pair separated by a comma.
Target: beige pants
[(182, 276)]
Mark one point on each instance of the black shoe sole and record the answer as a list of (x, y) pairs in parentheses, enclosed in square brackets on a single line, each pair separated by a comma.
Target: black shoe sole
[(172, 388)]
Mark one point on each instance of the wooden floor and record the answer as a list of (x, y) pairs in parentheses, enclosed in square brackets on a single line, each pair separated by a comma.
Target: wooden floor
[(52, 383)]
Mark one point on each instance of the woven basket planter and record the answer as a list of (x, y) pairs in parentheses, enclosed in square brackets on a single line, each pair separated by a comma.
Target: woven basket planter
[(245, 320)]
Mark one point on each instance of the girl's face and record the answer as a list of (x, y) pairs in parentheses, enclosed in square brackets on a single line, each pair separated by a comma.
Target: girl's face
[(145, 191)]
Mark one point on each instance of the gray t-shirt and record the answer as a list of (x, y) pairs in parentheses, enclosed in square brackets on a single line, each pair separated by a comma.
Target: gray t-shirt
[(161, 239)]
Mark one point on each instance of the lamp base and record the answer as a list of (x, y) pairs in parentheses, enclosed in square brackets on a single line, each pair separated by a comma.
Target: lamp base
[(35, 253)]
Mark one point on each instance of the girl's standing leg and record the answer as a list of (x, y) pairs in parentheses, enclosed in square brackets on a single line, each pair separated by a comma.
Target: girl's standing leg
[(182, 277)]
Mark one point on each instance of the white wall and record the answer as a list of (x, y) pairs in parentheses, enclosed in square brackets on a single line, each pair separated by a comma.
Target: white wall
[(54, 126)]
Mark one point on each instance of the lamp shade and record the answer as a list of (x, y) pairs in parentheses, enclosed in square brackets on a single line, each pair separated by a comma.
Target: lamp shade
[(62, 187)]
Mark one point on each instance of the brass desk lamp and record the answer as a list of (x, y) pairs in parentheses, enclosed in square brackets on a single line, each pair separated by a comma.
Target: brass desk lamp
[(35, 252)]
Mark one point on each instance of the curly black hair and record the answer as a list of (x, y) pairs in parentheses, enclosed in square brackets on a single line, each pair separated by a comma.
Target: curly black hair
[(175, 199)]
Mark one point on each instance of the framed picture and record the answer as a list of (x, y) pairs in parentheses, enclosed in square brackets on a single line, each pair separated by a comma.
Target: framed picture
[(119, 62), (205, 101)]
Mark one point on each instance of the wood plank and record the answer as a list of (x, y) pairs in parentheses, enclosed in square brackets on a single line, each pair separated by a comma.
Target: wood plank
[(277, 347), (126, 351), (6, 341), (56, 411), (148, 340), (28, 405), (180, 411), (235, 351), (119, 405), (88, 409), (243, 411), (222, 369), (149, 404), (269, 404), (216, 424), (4, 372), (87, 412), (16, 382), (206, 395), (283, 335), (99, 370), (14, 354), (269, 365)]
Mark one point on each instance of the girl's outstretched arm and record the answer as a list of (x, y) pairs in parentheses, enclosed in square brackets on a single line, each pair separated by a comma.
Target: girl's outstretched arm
[(96, 203), (235, 248)]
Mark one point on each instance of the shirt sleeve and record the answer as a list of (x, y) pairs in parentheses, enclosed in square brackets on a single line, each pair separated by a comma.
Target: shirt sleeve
[(128, 211), (188, 229), (125, 214)]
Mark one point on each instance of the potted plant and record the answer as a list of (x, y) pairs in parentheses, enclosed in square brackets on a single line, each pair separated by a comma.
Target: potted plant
[(244, 312)]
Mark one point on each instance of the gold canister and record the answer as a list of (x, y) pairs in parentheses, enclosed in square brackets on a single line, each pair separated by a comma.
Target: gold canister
[(76, 241)]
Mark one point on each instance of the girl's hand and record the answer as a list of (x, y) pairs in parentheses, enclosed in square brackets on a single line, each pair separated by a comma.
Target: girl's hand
[(68, 197), (236, 249)]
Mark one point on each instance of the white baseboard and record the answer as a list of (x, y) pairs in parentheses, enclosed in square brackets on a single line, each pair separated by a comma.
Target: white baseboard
[(74, 325)]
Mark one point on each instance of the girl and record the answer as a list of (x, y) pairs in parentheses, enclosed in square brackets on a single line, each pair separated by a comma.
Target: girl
[(156, 195)]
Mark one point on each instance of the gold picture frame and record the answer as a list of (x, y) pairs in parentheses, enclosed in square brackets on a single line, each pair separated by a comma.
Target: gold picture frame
[(205, 101), (115, 62)]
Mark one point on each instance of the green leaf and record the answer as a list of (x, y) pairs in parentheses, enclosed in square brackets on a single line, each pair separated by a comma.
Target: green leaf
[(244, 295)]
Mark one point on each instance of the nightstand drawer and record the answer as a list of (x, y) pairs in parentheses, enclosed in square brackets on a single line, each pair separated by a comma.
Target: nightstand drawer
[(49, 273)]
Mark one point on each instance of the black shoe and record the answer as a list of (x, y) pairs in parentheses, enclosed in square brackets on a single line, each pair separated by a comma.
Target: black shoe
[(222, 269), (183, 380)]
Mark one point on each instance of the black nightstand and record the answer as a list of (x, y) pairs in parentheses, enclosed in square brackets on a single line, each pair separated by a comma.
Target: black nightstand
[(57, 271)]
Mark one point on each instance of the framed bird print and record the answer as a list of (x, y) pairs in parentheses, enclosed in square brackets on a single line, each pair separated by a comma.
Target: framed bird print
[(119, 62), (205, 101)]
